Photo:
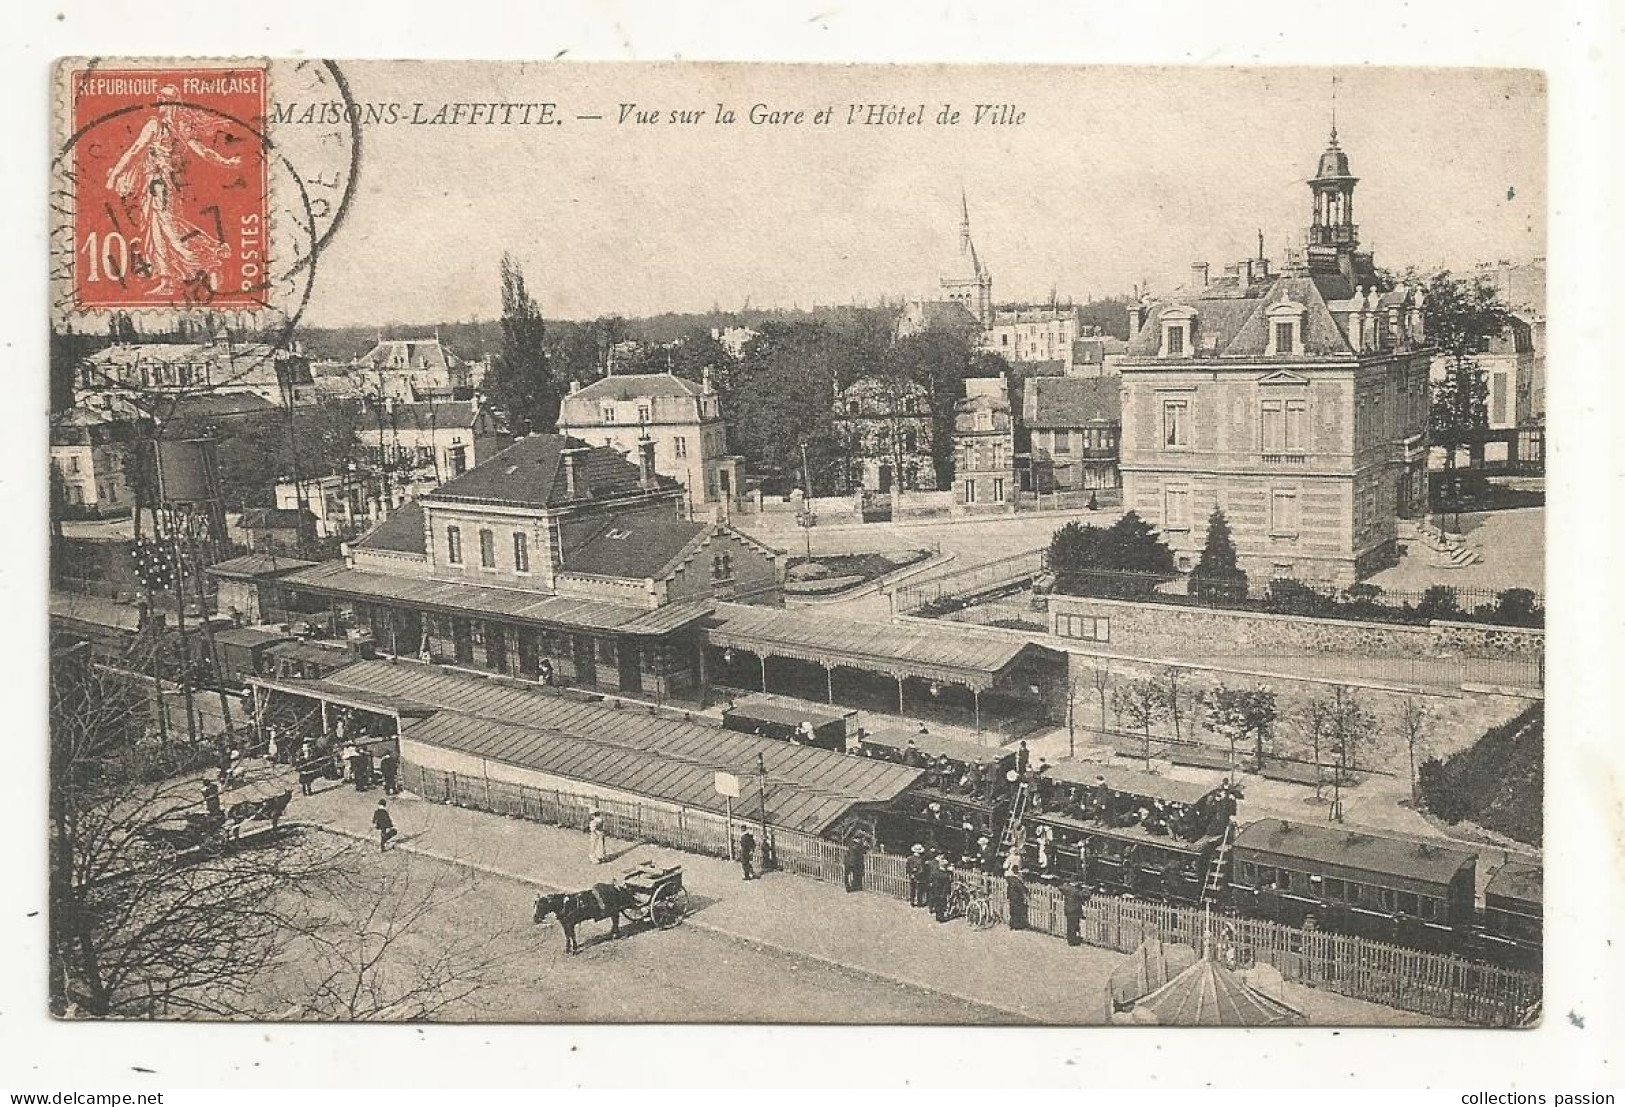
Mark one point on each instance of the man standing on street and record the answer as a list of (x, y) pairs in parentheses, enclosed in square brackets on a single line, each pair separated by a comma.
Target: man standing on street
[(388, 767), (1072, 900), (915, 867), (853, 867), (747, 854), (383, 824)]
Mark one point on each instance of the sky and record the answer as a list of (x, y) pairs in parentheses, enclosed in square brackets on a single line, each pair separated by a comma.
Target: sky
[(1114, 177)]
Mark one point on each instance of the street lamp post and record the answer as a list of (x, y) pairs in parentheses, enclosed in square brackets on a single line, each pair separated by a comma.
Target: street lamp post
[(761, 780)]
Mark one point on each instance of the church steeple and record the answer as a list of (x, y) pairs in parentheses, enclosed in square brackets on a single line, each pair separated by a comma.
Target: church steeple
[(968, 282)]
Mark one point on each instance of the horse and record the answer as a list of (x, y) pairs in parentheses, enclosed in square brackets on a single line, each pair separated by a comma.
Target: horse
[(268, 810), (601, 901)]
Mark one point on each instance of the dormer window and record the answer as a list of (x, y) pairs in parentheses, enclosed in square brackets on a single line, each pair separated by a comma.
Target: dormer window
[(1178, 332), (1285, 329)]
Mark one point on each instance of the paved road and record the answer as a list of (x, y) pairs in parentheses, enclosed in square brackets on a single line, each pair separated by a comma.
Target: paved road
[(971, 542), (680, 975)]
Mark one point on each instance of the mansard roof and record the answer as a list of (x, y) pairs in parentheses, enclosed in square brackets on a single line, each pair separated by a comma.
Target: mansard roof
[(1233, 321)]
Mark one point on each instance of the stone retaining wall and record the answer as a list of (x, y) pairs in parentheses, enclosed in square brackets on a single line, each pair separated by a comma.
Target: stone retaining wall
[(1160, 629)]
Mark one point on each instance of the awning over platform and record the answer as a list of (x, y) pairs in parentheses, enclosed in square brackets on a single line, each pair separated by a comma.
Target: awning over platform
[(896, 649), (835, 776), (597, 763), (342, 695), (335, 578)]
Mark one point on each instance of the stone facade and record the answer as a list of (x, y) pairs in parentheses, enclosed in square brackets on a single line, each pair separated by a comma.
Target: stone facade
[(1296, 402)]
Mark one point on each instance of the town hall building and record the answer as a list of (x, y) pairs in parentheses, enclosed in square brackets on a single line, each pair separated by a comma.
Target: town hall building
[(1295, 401)]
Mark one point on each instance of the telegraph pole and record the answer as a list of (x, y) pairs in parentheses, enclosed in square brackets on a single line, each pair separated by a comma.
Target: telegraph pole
[(761, 778)]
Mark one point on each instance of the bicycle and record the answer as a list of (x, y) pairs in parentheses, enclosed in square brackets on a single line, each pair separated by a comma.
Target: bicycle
[(972, 902)]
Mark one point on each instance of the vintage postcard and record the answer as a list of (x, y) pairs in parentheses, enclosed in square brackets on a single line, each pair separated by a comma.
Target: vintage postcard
[(587, 542)]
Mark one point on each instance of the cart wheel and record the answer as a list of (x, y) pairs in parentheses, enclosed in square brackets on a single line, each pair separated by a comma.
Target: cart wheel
[(668, 907)]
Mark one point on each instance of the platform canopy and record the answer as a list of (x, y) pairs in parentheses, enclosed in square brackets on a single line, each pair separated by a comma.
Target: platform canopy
[(900, 650)]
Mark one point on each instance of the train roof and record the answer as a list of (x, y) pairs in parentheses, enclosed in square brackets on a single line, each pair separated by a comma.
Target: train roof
[(1134, 835), (1130, 781), (898, 738), (1356, 849), (765, 707), (1520, 880)]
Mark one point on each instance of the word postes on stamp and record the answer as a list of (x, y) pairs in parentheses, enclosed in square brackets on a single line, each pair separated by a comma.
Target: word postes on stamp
[(170, 187)]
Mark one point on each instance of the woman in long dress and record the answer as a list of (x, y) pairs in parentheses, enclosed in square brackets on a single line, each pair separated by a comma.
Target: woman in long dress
[(598, 838)]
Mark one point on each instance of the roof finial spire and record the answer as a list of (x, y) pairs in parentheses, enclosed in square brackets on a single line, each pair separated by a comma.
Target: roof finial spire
[(1334, 109), (964, 220)]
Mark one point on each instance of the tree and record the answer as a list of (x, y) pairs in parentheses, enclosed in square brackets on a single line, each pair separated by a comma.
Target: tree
[(1173, 696), (364, 957), (1413, 727), (782, 398), (1348, 725), (1079, 555), (939, 360), (519, 381), (1134, 546), (1463, 315), (1101, 676), (143, 922), (1217, 576), (1314, 722), (1238, 713), (1143, 704)]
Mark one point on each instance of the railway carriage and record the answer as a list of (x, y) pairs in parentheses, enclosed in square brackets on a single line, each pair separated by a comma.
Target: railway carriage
[(1511, 927), (964, 794), (1421, 894)]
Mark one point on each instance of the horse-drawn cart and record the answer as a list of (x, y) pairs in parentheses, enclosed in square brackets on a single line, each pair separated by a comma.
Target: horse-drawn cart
[(655, 895)]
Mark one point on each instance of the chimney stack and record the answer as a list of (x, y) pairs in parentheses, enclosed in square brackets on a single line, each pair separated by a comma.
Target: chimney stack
[(571, 456), (705, 380), (1199, 274), (646, 461), (575, 386), (1136, 319)]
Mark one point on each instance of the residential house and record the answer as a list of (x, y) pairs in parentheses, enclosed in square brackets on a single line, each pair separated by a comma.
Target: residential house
[(886, 426), (1295, 401), (1041, 333), (219, 367), (275, 530), (429, 442), (683, 420), (553, 549), (408, 370), (1071, 426), (984, 445), (90, 449)]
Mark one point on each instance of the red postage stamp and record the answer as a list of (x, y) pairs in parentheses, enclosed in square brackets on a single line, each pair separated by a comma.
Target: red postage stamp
[(170, 188)]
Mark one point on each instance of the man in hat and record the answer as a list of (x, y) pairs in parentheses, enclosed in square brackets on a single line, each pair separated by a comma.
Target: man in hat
[(747, 854), (989, 854), (1073, 897), (1022, 756), (383, 824), (915, 868)]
